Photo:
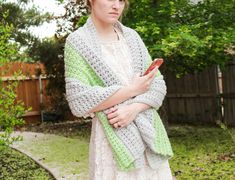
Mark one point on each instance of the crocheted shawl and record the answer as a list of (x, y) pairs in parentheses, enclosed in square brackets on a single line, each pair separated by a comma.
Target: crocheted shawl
[(89, 81)]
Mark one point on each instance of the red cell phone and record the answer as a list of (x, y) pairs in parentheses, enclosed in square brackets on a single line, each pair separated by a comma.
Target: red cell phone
[(156, 62)]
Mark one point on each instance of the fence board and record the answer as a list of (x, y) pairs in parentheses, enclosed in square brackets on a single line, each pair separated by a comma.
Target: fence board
[(28, 90), (194, 98), (228, 81)]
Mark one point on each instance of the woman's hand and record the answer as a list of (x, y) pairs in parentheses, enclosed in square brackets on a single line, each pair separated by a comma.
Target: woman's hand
[(123, 115), (141, 84)]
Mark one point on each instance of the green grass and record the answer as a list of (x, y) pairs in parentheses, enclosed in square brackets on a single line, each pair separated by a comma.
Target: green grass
[(69, 155), (199, 152), (14, 165), (202, 153)]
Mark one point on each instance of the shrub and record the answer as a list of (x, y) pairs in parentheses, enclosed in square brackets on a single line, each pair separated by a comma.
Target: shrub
[(11, 110)]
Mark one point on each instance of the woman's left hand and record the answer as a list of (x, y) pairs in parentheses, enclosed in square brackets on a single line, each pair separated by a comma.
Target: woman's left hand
[(122, 116)]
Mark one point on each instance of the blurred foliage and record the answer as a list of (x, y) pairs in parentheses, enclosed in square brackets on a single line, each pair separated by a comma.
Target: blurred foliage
[(21, 18), (230, 131), (11, 111), (189, 36), (67, 22), (50, 52), (8, 49)]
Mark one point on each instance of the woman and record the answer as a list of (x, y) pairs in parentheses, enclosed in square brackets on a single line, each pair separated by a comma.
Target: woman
[(104, 61)]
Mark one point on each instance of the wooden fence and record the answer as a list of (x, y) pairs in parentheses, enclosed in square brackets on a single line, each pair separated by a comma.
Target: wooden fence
[(202, 98), (228, 77), (31, 89)]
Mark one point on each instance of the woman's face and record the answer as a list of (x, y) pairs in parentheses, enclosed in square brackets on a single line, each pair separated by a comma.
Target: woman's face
[(107, 11)]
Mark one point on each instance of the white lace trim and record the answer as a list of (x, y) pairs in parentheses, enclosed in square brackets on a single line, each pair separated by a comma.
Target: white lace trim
[(116, 54), (102, 165)]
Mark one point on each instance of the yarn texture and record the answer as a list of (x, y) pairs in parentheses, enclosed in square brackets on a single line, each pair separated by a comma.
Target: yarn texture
[(89, 81)]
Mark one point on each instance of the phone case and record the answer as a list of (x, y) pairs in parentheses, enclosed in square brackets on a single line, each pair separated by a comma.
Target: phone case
[(157, 62)]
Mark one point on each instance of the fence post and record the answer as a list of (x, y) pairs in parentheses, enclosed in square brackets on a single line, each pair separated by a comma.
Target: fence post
[(228, 95), (41, 96)]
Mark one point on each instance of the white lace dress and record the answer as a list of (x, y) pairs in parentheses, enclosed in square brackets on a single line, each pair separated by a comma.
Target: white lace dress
[(102, 165)]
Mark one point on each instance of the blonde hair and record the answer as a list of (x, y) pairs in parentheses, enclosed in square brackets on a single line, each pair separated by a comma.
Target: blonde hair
[(88, 4)]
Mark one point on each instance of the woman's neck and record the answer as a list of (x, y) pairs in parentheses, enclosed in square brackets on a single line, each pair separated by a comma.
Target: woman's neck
[(102, 27), (105, 31)]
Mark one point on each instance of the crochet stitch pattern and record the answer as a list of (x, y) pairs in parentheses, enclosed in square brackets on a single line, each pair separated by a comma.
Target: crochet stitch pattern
[(89, 81)]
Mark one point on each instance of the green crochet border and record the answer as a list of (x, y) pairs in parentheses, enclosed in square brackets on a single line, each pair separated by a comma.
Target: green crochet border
[(78, 68), (162, 143), (124, 159)]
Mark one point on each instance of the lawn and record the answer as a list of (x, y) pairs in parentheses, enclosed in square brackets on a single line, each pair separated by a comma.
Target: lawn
[(69, 155), (202, 153), (14, 165), (199, 152)]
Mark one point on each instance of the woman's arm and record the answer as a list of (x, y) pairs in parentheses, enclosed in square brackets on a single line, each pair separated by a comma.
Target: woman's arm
[(138, 86), (118, 97)]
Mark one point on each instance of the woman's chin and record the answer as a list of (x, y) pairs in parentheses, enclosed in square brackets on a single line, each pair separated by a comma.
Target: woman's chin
[(112, 20)]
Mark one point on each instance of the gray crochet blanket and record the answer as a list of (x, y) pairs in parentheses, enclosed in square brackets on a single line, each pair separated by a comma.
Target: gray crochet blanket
[(89, 81)]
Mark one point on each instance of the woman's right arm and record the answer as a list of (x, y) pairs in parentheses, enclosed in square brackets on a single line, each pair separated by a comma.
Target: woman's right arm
[(118, 97), (83, 98), (138, 86)]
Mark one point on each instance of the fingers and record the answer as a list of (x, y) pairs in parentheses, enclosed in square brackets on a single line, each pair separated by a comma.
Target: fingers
[(150, 77), (117, 125), (112, 114), (111, 110), (152, 73), (114, 120), (114, 117)]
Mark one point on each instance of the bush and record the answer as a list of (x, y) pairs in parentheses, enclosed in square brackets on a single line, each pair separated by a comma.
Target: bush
[(11, 111)]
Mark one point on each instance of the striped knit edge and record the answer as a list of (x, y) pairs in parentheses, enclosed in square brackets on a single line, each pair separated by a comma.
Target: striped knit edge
[(123, 158), (162, 143)]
